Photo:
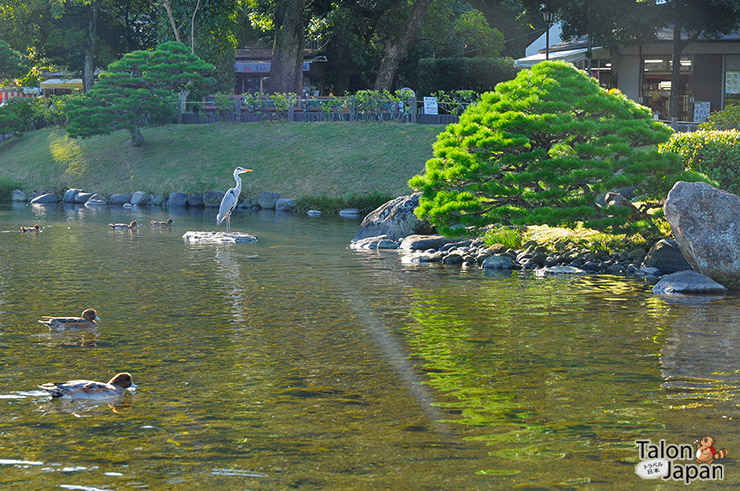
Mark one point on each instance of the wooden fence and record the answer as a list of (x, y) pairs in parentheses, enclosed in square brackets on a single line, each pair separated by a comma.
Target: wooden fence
[(301, 116)]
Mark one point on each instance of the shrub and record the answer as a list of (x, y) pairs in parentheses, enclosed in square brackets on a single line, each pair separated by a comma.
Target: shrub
[(6, 186), (727, 119), (539, 150), (716, 154), (508, 237), (477, 74)]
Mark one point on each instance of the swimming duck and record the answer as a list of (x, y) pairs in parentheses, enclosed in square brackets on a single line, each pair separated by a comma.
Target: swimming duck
[(130, 226), (86, 321), (168, 223), (35, 228), (88, 389)]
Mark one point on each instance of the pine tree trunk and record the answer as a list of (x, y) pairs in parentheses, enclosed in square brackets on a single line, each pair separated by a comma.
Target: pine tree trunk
[(614, 72), (88, 70), (286, 70), (137, 139), (395, 49), (676, 68)]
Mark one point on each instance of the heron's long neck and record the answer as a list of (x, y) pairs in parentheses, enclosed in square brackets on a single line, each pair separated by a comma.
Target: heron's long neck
[(238, 188)]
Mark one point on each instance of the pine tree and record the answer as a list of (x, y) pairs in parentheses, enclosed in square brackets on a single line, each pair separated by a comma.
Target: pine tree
[(540, 149)]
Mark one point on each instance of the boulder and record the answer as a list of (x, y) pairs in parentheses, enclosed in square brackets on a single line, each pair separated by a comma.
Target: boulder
[(96, 200), (212, 199), (118, 199), (349, 213), (372, 243), (177, 200), (394, 219), (219, 237), (33, 195), (156, 199), (18, 195), (267, 200), (45, 199), (424, 242), (498, 261), (666, 256), (685, 282), (558, 270), (313, 213), (285, 204), (704, 221), (82, 197), (196, 201), (138, 198), (69, 195)]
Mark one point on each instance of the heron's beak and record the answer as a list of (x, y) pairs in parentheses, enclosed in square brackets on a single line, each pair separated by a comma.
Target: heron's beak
[(98, 318), (245, 170)]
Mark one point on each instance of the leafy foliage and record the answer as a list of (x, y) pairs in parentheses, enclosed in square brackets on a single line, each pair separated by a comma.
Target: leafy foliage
[(539, 150), (12, 63), (713, 153), (138, 90), (477, 74), (10, 122), (726, 119), (507, 236)]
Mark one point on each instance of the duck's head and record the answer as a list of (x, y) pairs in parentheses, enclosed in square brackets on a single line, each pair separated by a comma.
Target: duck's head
[(133, 224), (123, 380), (169, 221), (90, 315)]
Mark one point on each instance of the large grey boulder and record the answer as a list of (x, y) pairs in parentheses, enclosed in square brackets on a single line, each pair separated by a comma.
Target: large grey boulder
[(46, 198), (687, 282), (96, 200), (267, 200), (118, 199), (177, 200), (139, 198), (706, 223), (424, 242), (394, 219), (498, 261), (18, 195), (156, 199), (373, 243), (69, 195), (285, 204), (196, 201), (82, 197), (666, 256)]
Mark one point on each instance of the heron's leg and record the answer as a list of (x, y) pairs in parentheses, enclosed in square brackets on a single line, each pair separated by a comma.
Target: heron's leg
[(228, 223)]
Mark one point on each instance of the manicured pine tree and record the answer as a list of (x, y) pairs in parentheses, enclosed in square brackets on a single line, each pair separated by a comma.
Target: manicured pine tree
[(540, 149)]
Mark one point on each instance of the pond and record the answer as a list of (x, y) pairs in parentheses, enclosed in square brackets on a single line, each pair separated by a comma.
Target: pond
[(295, 362)]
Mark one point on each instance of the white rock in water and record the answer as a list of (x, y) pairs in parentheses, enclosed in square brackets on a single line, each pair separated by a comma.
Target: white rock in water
[(218, 237)]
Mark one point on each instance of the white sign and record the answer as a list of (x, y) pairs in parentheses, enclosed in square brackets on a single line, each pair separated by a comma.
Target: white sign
[(732, 82), (701, 111), (430, 105)]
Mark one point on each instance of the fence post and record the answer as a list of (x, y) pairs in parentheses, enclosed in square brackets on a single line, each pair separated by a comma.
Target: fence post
[(414, 108)]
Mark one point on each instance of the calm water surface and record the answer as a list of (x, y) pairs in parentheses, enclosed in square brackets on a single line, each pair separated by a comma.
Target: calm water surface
[(294, 362)]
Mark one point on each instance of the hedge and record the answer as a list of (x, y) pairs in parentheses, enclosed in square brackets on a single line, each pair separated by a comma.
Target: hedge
[(478, 74)]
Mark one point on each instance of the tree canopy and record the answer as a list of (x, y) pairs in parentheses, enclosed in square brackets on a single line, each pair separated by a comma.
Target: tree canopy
[(540, 149)]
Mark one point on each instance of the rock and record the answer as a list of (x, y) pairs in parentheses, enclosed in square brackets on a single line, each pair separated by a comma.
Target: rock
[(285, 204), (424, 257), (18, 195), (349, 213), (96, 200), (687, 282), (498, 261), (617, 199), (118, 199), (267, 200), (156, 199), (31, 196), (453, 259), (666, 256), (69, 195), (138, 198), (424, 242), (219, 237), (647, 272), (704, 221), (46, 199), (627, 192), (177, 200), (372, 243), (82, 197), (313, 213), (558, 270), (394, 218), (212, 199), (196, 201), (128, 205)]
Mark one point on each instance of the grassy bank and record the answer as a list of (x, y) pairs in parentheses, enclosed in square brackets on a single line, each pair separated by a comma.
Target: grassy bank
[(298, 160)]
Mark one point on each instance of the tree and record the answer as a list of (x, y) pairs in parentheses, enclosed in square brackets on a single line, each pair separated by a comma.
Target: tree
[(539, 150), (138, 90), (12, 63), (396, 46), (286, 69)]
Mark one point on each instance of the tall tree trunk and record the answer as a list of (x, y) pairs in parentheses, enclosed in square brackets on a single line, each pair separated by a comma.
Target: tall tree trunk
[(614, 72), (395, 49), (88, 69), (137, 139), (286, 70), (678, 46)]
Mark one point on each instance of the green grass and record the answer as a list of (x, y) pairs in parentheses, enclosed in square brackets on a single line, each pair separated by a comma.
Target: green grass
[(340, 160)]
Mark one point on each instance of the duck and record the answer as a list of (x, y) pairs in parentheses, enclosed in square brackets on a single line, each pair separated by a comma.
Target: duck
[(35, 228), (89, 389), (85, 321), (168, 223), (129, 226)]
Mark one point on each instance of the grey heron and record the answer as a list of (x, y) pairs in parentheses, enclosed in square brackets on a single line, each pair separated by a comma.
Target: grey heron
[(228, 203)]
